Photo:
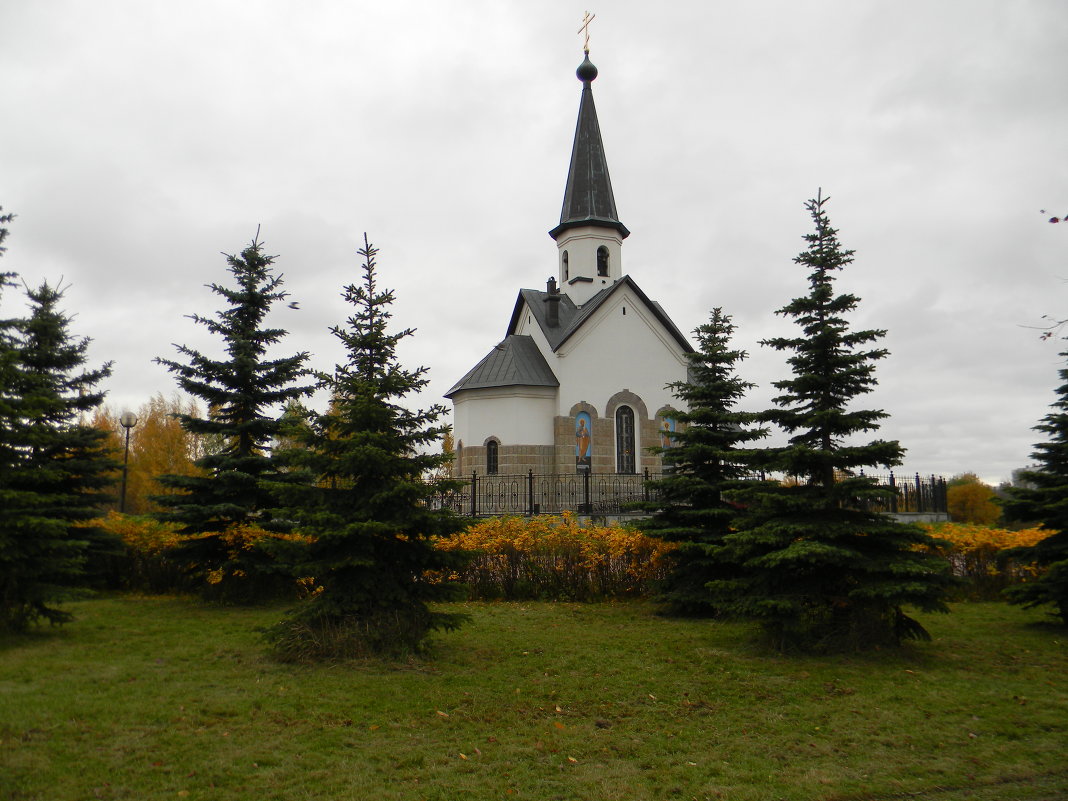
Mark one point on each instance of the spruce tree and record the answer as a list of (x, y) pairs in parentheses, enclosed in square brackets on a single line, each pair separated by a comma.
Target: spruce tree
[(811, 562), (55, 468), (707, 457), (244, 393), (367, 507), (1043, 497)]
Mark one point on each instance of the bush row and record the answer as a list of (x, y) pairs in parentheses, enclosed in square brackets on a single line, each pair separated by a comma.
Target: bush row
[(979, 555), (512, 558)]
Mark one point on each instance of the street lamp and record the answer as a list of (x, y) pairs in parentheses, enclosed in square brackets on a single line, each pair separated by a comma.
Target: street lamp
[(128, 420)]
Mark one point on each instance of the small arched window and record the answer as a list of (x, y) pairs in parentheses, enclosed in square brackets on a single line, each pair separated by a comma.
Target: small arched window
[(492, 457), (602, 260), (625, 462), (563, 266)]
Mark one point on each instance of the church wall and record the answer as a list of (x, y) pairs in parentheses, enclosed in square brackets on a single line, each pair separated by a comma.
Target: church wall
[(604, 446), (614, 359), (527, 326), (616, 351), (518, 418), (511, 460), (511, 414)]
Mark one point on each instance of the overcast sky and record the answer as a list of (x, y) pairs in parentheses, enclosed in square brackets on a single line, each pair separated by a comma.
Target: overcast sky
[(140, 139)]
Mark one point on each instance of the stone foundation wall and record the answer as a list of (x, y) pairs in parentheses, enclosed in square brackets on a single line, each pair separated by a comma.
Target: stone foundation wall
[(511, 460), (603, 448)]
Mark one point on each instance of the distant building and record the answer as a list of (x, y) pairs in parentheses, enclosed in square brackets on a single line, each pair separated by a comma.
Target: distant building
[(579, 381)]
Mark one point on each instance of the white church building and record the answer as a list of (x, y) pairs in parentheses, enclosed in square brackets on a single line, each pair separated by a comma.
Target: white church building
[(579, 382)]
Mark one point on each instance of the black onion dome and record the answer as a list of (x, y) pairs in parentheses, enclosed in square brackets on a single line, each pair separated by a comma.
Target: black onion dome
[(586, 72)]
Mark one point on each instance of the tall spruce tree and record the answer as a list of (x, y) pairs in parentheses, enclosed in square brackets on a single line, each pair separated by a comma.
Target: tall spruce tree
[(1043, 497), (811, 563), (13, 597), (244, 393), (55, 468), (367, 506), (8, 327), (707, 456)]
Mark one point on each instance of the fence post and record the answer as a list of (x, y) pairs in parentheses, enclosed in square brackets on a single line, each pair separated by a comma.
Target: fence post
[(921, 505), (941, 502), (645, 486), (474, 493), (530, 493), (586, 508), (893, 498)]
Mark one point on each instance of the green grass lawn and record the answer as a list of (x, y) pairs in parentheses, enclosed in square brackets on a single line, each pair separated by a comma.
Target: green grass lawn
[(149, 698)]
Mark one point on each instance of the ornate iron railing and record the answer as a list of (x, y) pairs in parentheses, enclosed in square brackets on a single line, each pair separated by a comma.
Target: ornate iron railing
[(914, 494), (617, 493)]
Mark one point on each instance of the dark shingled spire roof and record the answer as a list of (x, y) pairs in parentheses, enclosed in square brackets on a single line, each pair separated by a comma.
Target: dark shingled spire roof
[(588, 198)]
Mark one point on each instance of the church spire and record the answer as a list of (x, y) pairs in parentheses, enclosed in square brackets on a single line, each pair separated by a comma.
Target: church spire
[(590, 236), (588, 198)]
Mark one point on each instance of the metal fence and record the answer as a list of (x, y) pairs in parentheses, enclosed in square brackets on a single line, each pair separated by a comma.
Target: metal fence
[(617, 493), (914, 494), (553, 493)]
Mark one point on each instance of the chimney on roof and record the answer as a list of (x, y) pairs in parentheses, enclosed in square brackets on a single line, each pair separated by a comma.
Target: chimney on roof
[(552, 304)]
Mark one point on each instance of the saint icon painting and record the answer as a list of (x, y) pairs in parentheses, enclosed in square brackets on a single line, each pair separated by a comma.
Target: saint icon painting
[(583, 440), (667, 428)]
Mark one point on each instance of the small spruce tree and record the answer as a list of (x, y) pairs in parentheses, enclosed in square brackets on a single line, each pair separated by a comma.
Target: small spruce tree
[(810, 561), (367, 506), (1042, 496), (244, 393), (707, 456), (55, 467)]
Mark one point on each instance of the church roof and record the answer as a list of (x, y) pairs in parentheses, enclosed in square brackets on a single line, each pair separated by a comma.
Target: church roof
[(573, 317), (515, 361), (588, 198)]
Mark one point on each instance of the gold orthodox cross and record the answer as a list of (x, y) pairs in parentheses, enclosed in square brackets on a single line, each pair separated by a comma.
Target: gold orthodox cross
[(587, 18)]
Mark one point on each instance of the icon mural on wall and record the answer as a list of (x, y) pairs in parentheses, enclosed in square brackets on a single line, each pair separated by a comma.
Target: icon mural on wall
[(583, 440), (667, 428)]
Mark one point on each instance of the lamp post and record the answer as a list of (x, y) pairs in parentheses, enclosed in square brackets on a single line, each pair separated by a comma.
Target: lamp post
[(128, 420)]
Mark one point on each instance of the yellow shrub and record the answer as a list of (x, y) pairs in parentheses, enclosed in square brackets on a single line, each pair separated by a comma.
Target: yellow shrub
[(236, 564), (976, 553), (145, 565), (244, 563), (554, 557)]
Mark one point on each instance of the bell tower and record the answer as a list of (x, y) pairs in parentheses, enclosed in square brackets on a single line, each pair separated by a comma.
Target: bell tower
[(589, 238)]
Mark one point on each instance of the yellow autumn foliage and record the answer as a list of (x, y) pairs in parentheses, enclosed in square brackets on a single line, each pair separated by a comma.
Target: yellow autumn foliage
[(245, 555), (977, 554), (150, 564), (145, 565), (556, 558), (972, 502), (158, 446)]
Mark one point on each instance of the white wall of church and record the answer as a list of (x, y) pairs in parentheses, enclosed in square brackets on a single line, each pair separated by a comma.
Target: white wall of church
[(514, 415), (619, 350)]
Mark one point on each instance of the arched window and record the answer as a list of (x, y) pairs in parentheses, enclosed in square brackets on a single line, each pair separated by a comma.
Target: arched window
[(602, 260), (625, 462), (563, 265), (492, 456)]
